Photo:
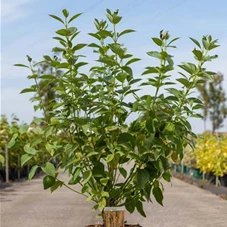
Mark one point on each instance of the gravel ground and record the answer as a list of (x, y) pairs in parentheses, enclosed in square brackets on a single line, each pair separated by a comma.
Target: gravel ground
[(28, 205)]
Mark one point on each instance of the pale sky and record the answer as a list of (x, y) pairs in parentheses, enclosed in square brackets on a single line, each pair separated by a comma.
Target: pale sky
[(26, 29)]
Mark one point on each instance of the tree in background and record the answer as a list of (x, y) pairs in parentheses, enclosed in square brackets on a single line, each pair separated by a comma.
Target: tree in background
[(214, 100), (217, 102), (47, 87)]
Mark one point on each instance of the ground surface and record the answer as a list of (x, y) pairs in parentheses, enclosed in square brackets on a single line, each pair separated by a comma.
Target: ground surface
[(28, 205)]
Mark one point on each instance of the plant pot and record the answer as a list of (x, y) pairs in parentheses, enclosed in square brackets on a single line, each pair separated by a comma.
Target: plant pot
[(114, 217), (126, 225)]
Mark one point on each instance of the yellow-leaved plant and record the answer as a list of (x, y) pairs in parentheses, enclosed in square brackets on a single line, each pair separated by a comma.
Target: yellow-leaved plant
[(211, 154)]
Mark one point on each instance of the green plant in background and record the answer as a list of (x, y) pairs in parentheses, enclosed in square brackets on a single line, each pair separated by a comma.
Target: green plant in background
[(15, 137), (9, 133), (116, 163), (4, 131)]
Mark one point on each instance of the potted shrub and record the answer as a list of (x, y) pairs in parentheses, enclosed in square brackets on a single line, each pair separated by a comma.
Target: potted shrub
[(116, 163)]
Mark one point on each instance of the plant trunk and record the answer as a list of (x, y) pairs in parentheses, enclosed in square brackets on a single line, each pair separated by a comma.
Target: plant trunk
[(204, 124), (114, 217), (217, 181), (18, 167), (182, 166), (7, 163), (204, 176)]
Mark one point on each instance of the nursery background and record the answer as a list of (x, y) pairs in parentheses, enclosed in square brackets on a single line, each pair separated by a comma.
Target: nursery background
[(127, 129)]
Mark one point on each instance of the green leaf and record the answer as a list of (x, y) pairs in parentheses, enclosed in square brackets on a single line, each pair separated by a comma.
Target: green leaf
[(57, 49), (116, 19), (87, 176), (142, 177), (103, 34), (184, 81), (94, 45), (85, 188), (39, 63), (56, 18), (80, 64), (170, 127), (62, 32), (63, 65), (167, 176), (30, 150), (50, 149), (13, 140), (154, 54), (56, 185), (2, 159), (105, 194), (48, 77), (128, 70), (117, 49), (174, 91), (150, 125), (25, 158), (75, 176), (173, 40), (139, 207), (109, 158), (79, 46), (95, 36), (157, 41), (198, 54), (140, 139), (104, 181), (38, 131), (195, 41), (48, 181), (32, 172), (121, 77), (34, 76), (188, 67), (99, 170), (60, 39), (74, 17), (126, 138), (21, 65), (72, 30), (205, 43), (23, 129), (150, 70), (126, 32), (123, 172), (132, 61), (102, 203), (130, 205), (26, 90), (157, 192), (134, 81), (38, 120), (65, 12), (197, 106), (49, 169), (48, 58)]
